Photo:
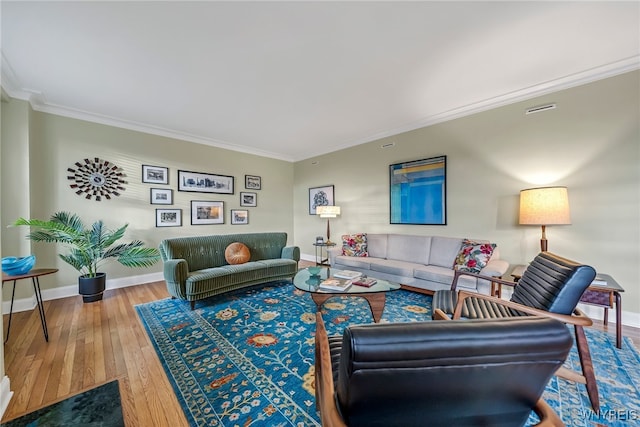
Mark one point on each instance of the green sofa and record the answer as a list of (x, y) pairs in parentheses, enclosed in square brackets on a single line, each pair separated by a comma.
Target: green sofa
[(195, 268)]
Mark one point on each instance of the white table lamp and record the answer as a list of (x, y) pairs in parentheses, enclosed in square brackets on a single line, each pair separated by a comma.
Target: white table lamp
[(328, 212), (544, 206)]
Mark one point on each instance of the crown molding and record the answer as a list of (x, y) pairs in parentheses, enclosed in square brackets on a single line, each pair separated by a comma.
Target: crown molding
[(153, 130), (37, 102), (11, 84), (577, 79), (9, 80)]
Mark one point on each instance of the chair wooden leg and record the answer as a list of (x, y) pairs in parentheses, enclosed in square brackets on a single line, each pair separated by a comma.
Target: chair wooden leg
[(440, 315), (316, 374), (587, 367)]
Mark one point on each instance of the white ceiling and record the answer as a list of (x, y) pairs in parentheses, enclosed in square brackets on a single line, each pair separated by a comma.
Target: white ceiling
[(292, 80)]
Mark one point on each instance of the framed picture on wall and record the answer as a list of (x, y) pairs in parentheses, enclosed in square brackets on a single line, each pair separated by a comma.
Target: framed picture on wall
[(205, 212), (155, 174), (168, 217), (239, 216), (252, 182), (248, 199), (418, 191), (201, 182), (161, 196), (320, 196)]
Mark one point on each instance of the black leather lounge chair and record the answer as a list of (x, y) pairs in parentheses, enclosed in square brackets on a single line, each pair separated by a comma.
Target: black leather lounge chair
[(453, 373), (551, 286)]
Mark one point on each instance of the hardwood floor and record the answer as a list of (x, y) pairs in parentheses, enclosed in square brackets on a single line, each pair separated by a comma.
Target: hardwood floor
[(91, 344)]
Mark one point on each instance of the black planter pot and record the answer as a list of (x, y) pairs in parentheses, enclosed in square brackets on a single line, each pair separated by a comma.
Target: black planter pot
[(91, 288)]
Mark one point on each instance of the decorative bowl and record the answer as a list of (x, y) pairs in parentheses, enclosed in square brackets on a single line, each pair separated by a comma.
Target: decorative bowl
[(14, 266), (8, 260), (314, 270), (313, 281)]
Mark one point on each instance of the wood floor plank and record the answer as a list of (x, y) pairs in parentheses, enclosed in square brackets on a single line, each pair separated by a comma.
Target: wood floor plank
[(129, 412), (91, 344), (23, 329), (46, 354), (68, 358), (98, 345), (87, 375), (51, 380), (137, 386), (23, 395)]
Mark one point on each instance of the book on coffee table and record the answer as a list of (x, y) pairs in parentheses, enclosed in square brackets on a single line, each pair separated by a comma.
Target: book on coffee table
[(333, 284), (367, 282), (346, 274)]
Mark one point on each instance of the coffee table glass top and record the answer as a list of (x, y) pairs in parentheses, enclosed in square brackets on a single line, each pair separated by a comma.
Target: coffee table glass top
[(307, 282)]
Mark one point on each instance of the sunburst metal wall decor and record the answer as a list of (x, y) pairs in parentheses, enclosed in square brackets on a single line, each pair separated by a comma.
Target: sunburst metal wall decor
[(97, 178)]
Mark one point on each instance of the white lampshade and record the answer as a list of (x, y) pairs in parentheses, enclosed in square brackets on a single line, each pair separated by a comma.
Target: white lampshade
[(544, 206), (328, 211)]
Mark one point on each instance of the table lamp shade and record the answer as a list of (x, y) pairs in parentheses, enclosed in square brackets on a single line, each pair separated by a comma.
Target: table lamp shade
[(544, 206), (328, 211)]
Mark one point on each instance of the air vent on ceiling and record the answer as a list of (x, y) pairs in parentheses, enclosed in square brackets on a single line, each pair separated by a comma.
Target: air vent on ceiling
[(540, 108), (388, 145)]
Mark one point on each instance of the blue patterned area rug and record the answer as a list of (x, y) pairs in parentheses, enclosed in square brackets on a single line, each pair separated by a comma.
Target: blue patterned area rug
[(246, 358), (98, 407)]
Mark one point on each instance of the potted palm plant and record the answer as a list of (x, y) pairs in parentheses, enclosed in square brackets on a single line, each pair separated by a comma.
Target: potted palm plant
[(89, 248)]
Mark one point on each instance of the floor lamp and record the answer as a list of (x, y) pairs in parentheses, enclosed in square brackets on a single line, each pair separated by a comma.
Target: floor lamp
[(328, 212), (544, 206)]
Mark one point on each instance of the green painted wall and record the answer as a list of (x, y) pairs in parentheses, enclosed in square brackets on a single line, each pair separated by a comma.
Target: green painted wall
[(55, 143), (590, 143), (16, 183)]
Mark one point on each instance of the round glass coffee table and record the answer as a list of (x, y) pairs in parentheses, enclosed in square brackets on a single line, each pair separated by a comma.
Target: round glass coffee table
[(375, 295)]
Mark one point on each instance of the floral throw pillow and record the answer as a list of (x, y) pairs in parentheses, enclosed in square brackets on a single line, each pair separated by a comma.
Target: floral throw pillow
[(473, 256), (354, 245)]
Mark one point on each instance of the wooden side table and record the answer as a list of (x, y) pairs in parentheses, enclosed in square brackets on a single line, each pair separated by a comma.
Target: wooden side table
[(605, 296), (34, 275), (320, 248)]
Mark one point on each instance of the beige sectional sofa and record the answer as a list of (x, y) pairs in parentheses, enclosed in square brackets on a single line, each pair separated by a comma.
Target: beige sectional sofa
[(424, 262)]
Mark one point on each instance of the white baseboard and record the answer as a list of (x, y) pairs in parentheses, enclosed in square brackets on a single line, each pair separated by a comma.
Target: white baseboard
[(597, 314), (306, 257), (29, 303), (5, 395)]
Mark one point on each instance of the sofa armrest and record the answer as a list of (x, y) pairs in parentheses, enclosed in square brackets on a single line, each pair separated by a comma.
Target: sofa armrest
[(176, 270), (495, 268), (291, 252), (333, 253), (175, 273)]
